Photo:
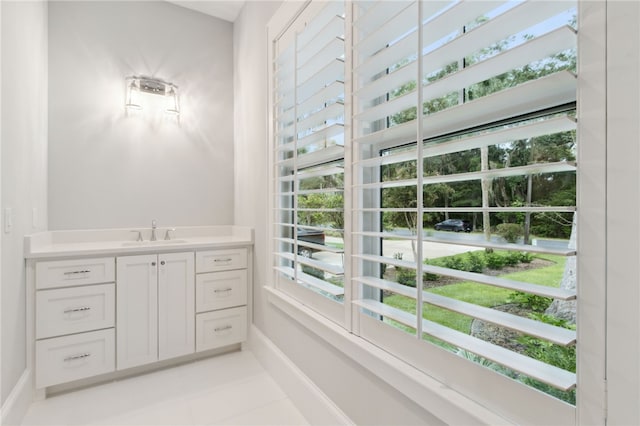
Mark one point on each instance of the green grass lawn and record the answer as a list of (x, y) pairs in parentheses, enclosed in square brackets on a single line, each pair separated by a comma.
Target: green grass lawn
[(480, 294)]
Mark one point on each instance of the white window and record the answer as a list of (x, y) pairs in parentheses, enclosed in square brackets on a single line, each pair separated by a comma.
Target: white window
[(439, 161), (308, 161)]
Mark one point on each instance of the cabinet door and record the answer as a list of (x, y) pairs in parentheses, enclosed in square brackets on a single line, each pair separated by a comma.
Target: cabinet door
[(137, 310), (176, 305)]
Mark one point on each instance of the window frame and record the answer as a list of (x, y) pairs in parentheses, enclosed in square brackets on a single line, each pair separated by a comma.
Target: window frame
[(591, 394)]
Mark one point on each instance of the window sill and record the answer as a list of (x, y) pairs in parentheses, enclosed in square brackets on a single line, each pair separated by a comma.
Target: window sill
[(443, 402)]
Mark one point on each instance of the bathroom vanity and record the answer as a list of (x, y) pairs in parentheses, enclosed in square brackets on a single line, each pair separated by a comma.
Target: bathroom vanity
[(104, 302)]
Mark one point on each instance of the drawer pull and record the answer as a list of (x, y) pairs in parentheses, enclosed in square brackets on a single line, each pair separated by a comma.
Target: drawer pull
[(86, 271), (76, 357), (223, 260), (222, 290), (80, 309), (226, 327)]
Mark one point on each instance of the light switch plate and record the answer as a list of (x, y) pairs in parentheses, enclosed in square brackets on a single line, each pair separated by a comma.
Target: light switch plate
[(8, 220)]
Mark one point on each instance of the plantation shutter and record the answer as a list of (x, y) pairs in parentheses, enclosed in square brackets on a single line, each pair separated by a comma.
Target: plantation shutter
[(489, 85), (309, 158)]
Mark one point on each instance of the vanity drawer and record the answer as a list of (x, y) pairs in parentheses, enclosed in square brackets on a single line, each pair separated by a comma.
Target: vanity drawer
[(66, 273), (221, 260), (221, 328), (219, 290), (74, 357), (73, 310)]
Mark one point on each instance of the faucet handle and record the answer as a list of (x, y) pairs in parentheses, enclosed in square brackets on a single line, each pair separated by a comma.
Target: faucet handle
[(167, 236), (139, 235), (154, 224)]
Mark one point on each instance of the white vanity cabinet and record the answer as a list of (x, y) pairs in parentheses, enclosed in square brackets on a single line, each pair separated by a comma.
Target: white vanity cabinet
[(100, 303), (155, 300)]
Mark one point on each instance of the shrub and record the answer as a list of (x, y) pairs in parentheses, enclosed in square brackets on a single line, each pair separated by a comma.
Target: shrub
[(494, 260), (406, 276), (313, 272), (526, 257), (512, 258), (531, 301), (549, 353), (476, 261), (510, 231), (455, 262), (427, 276)]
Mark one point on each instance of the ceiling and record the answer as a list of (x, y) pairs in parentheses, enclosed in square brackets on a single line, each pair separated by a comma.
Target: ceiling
[(227, 9)]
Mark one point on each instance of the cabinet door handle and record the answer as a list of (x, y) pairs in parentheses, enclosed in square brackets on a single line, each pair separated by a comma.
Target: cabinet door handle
[(226, 327), (222, 290), (153, 263), (86, 271), (162, 263), (80, 309), (223, 260), (76, 357)]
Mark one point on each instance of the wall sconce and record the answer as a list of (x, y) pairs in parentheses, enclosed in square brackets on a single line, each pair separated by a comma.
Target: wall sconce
[(136, 86)]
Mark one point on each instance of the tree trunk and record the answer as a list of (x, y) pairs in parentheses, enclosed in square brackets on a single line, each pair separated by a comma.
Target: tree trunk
[(566, 309), (527, 215), (486, 219)]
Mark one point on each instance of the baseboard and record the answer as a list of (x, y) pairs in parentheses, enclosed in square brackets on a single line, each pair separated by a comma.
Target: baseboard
[(17, 403), (314, 405)]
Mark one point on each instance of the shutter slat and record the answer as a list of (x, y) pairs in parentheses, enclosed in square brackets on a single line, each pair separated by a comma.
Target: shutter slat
[(334, 49), (393, 28), (531, 169), (374, 17), (536, 49), (553, 376), (387, 285), (557, 335), (321, 156), (535, 289), (318, 24), (323, 134), (331, 93), (531, 209), (334, 290), (327, 170), (327, 267), (532, 130), (555, 89), (330, 73), (334, 28), (320, 117)]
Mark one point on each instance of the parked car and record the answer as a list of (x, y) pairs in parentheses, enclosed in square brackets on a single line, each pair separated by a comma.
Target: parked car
[(456, 225), (310, 236)]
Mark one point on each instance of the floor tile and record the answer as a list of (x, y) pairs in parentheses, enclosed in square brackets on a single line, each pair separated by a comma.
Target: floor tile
[(166, 413), (234, 399), (226, 389), (278, 413)]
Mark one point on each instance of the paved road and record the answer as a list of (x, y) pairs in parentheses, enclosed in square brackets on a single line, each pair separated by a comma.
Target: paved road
[(430, 250)]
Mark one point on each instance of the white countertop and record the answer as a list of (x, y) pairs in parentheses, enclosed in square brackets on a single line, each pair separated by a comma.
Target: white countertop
[(98, 242)]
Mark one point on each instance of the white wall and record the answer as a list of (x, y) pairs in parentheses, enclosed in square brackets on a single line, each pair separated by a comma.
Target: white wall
[(107, 169), (623, 207), (361, 395), (24, 165)]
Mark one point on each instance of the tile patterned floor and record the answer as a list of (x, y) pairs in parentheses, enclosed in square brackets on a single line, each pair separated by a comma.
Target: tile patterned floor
[(231, 389)]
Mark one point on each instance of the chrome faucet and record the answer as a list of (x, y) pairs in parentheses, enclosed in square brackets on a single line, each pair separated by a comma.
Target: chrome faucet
[(154, 225)]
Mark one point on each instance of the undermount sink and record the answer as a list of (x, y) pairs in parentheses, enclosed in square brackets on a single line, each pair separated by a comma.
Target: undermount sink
[(151, 243)]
